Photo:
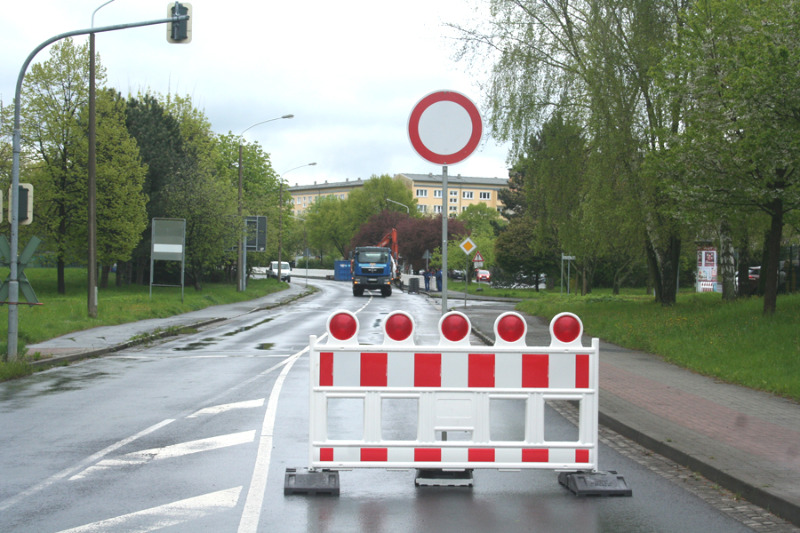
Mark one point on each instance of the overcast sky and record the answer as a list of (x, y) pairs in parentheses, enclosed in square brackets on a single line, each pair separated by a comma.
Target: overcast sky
[(350, 71)]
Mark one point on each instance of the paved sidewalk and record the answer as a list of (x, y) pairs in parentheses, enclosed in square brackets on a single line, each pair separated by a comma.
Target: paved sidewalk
[(105, 339), (744, 440)]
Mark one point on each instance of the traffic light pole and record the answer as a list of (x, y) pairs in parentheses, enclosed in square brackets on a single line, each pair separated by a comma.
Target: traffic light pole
[(13, 280)]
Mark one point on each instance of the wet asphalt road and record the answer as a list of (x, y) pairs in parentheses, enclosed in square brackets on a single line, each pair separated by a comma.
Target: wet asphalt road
[(189, 435)]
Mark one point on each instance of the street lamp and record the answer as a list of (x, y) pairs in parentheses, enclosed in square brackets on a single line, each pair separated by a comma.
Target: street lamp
[(240, 259), (92, 180), (280, 215), (408, 211)]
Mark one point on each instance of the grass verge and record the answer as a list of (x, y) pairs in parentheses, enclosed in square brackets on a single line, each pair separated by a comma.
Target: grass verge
[(732, 341)]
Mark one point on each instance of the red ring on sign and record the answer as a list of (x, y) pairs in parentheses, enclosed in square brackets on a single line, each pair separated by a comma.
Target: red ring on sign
[(455, 327), (419, 110), (399, 327), (342, 326), (567, 328), (511, 328)]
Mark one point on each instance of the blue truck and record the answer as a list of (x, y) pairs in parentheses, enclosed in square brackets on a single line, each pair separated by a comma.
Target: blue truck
[(372, 268)]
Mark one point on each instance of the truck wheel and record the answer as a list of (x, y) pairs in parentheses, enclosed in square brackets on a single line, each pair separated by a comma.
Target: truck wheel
[(358, 291), (386, 291), (289, 279)]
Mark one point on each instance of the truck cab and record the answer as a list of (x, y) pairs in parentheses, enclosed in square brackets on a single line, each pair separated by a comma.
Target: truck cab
[(371, 269)]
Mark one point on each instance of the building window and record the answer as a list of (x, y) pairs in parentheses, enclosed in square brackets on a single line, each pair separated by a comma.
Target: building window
[(463, 208), (467, 195), (454, 200), (437, 193), (454, 208), (453, 193), (437, 209), (486, 195), (421, 208), (422, 193)]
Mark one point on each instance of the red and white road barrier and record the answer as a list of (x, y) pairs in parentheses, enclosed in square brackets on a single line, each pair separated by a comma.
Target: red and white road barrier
[(452, 387)]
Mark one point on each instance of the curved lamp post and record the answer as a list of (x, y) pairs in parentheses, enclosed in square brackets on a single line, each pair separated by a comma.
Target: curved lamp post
[(408, 211), (280, 215), (240, 259)]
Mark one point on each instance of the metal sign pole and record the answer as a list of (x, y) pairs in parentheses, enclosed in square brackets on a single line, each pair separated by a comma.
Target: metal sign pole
[(444, 240)]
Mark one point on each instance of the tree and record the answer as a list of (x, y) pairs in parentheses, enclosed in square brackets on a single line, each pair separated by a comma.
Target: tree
[(121, 211), (480, 219), (53, 96), (200, 195), (329, 226), (740, 148), (370, 199), (592, 60), (158, 135)]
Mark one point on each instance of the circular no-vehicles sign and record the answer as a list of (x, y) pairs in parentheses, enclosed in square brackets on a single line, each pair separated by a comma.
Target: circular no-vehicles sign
[(445, 127)]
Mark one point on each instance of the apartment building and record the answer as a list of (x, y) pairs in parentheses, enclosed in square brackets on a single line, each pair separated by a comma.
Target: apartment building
[(462, 191), (426, 188)]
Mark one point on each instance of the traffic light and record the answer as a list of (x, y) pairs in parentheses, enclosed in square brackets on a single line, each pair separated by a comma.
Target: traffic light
[(25, 197), (179, 31)]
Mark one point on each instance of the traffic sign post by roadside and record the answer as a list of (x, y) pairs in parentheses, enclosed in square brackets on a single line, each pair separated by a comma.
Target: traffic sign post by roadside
[(445, 128)]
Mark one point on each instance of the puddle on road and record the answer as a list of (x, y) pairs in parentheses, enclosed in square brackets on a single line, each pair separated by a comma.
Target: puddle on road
[(265, 346), (197, 345), (15, 393), (246, 328)]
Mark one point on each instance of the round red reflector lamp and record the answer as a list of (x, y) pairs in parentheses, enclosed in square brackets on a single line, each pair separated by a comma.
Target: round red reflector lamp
[(342, 326), (399, 327), (567, 328), (511, 328), (455, 327)]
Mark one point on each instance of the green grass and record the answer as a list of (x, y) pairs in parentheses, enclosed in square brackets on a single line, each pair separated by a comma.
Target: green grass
[(61, 314), (731, 341)]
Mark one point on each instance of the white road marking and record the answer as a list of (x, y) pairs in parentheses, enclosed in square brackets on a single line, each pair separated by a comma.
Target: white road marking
[(254, 502), (81, 465), (169, 452), (217, 409), (251, 514), (166, 515)]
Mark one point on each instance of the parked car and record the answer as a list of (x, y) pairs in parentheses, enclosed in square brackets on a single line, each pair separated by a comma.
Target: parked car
[(483, 275), (286, 271), (458, 274)]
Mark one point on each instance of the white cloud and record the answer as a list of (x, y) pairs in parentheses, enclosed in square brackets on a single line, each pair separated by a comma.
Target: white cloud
[(350, 72)]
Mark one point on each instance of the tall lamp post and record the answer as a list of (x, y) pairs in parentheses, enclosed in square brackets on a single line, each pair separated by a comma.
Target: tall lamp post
[(240, 261), (92, 178), (280, 214)]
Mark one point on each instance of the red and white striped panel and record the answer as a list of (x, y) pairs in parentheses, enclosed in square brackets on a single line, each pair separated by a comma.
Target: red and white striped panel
[(454, 370), (461, 455)]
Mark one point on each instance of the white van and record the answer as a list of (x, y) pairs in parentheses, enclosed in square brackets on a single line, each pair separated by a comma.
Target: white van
[(286, 271)]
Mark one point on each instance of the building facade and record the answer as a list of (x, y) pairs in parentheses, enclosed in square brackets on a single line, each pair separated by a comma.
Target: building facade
[(462, 192), (426, 188)]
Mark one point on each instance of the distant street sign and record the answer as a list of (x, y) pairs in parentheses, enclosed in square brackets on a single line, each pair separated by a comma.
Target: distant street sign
[(445, 127), (478, 258), (467, 246)]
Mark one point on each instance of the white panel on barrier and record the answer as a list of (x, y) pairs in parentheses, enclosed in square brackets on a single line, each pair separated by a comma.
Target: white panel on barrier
[(455, 389)]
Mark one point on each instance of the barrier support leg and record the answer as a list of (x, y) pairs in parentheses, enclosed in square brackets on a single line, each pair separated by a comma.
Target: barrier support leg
[(595, 483)]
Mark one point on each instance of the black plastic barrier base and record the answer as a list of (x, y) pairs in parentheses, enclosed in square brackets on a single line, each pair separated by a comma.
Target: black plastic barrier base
[(318, 482), (443, 478), (595, 483)]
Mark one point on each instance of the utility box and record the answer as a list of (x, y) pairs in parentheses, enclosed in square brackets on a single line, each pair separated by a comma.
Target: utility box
[(341, 271)]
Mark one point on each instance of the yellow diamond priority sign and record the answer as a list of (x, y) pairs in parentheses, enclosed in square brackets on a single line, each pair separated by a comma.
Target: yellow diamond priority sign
[(467, 246)]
